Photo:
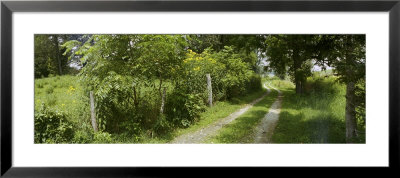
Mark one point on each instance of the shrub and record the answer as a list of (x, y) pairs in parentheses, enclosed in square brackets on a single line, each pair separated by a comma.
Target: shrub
[(82, 137), (102, 137), (253, 84), (52, 126), (162, 125), (89, 136), (112, 96), (182, 109)]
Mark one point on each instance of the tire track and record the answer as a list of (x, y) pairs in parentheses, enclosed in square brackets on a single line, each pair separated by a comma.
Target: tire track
[(200, 135), (268, 123)]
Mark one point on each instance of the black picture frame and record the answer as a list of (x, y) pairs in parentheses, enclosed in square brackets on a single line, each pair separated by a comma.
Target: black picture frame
[(8, 7)]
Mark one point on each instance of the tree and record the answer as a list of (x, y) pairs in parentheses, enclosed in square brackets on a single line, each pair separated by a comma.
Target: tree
[(117, 66), (161, 56), (346, 53), (247, 46), (48, 55), (42, 54), (291, 54)]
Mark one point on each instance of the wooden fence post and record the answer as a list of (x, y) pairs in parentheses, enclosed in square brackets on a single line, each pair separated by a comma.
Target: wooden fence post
[(93, 114), (209, 88), (163, 100)]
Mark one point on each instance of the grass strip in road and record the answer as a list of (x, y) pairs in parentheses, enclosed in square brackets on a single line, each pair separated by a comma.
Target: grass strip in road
[(242, 129), (220, 110)]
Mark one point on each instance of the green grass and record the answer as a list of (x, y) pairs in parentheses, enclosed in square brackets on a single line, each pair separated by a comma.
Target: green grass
[(65, 94), (242, 129), (221, 109), (318, 116)]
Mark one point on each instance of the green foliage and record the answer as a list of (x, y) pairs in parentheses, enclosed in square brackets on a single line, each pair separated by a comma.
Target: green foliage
[(253, 84), (127, 74), (52, 126), (291, 54), (112, 96), (346, 53), (161, 126), (317, 116), (82, 136), (360, 103), (160, 55), (102, 137), (182, 109), (48, 56), (230, 75), (121, 70), (230, 78)]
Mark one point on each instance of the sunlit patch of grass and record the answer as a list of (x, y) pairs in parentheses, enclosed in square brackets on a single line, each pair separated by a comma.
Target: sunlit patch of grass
[(65, 94)]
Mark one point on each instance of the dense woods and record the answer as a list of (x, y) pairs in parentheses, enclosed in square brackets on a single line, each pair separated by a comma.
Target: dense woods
[(150, 88)]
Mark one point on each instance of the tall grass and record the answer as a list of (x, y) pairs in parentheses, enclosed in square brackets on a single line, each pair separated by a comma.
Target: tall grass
[(317, 116), (65, 95)]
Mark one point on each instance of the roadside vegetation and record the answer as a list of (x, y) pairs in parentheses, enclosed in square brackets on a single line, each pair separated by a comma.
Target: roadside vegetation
[(144, 88), (318, 115)]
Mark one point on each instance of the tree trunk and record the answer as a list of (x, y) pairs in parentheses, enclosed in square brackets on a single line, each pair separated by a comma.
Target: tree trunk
[(351, 122), (162, 95), (135, 98), (297, 77), (55, 38), (298, 85), (92, 111), (209, 88), (163, 100)]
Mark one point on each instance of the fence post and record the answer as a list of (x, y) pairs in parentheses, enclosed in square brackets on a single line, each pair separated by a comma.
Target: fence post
[(209, 88), (93, 114), (163, 100)]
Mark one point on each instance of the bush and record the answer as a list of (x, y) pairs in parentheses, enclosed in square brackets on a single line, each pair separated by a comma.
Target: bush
[(102, 137), (253, 84), (182, 109), (112, 101), (161, 126), (52, 126), (82, 137), (131, 128)]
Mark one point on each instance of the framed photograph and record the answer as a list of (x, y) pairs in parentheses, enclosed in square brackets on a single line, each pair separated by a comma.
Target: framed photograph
[(141, 88)]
